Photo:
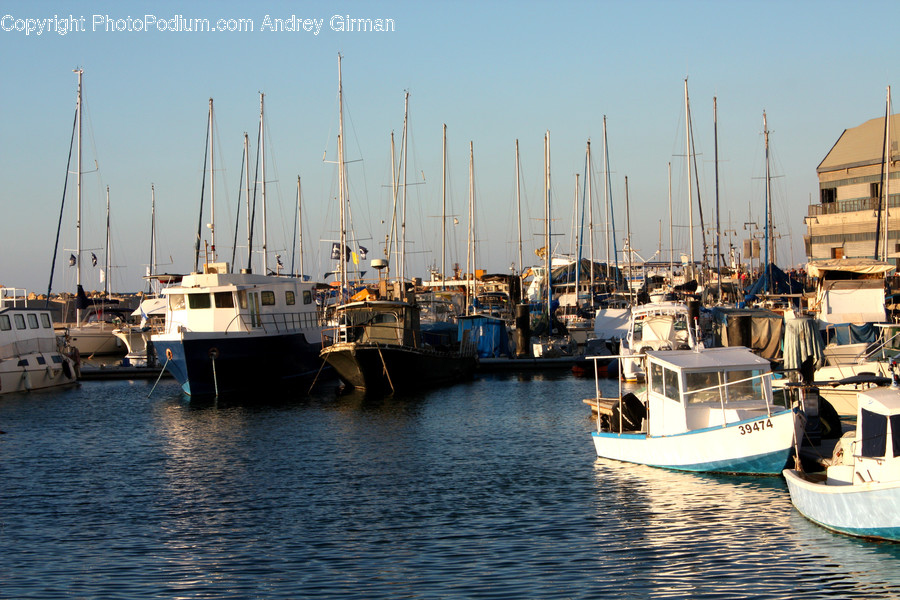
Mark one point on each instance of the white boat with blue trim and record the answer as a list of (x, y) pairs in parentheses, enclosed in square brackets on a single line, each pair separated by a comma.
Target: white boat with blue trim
[(704, 410), (859, 493)]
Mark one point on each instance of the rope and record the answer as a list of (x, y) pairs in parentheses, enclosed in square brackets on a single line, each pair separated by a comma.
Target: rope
[(383, 364), (158, 378), (316, 378)]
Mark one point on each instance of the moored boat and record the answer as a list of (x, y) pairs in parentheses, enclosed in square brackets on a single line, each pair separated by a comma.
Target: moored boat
[(859, 493), (709, 410)]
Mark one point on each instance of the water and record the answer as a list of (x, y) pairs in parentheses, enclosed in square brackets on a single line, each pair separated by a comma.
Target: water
[(489, 489)]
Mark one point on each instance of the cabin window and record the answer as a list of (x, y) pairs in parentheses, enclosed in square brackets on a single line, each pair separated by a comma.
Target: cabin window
[(656, 379), (749, 385), (20, 321), (701, 387), (41, 360), (224, 299), (307, 297), (198, 301), (289, 298), (664, 381), (895, 434), (267, 298), (45, 321), (33, 322), (176, 301), (242, 299), (56, 358), (874, 434), (4, 323), (23, 362)]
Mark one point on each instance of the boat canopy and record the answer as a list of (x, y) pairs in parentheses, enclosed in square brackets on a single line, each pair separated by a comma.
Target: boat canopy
[(860, 266)]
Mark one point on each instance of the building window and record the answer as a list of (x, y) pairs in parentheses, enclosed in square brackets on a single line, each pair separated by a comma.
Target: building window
[(828, 195), (267, 298), (837, 253)]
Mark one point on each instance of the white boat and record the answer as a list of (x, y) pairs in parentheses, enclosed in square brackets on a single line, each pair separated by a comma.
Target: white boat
[(709, 410), (659, 326), (859, 494), (152, 315), (32, 356)]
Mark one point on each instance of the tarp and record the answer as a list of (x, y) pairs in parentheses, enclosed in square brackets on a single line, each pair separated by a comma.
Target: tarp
[(862, 266), (851, 333), (487, 333), (802, 342), (774, 281), (758, 329)]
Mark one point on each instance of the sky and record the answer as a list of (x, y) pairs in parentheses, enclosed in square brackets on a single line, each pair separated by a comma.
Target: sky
[(493, 72)]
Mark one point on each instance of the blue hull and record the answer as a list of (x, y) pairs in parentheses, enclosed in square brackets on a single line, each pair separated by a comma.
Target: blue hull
[(237, 364)]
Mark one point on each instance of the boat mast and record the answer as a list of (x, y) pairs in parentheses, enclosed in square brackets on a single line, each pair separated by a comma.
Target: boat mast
[(444, 209), (628, 244), (470, 246), (106, 274), (405, 150), (718, 234), (151, 267), (519, 219), (610, 213), (78, 110), (341, 182), (300, 223), (212, 185), (577, 244), (547, 255), (247, 194), (671, 237), (588, 176), (887, 172), (770, 238), (687, 136), (262, 152)]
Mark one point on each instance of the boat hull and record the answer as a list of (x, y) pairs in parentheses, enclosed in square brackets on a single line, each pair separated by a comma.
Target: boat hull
[(387, 368), (218, 364), (757, 446), (869, 510), (93, 340), (36, 371)]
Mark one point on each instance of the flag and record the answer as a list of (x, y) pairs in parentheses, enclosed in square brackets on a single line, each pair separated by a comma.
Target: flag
[(278, 260), (71, 260), (335, 251), (363, 251), (102, 276), (93, 259), (355, 258)]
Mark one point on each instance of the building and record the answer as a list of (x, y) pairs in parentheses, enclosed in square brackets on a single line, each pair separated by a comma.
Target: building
[(845, 222)]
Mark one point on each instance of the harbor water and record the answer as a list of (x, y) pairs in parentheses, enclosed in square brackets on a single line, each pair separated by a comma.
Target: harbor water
[(487, 489)]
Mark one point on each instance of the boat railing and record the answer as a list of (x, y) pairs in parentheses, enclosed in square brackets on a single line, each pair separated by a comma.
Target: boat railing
[(720, 390), (275, 322), (11, 297)]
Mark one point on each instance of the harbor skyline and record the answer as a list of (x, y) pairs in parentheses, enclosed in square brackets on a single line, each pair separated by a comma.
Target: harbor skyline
[(493, 73)]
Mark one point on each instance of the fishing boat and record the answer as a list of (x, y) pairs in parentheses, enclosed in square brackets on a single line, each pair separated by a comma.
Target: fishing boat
[(709, 410), (654, 326), (859, 493), (376, 343), (32, 356)]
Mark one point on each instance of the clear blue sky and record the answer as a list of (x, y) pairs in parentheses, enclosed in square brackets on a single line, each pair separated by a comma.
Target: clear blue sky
[(494, 72)]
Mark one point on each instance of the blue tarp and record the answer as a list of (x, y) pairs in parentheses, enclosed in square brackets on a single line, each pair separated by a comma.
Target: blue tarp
[(848, 333), (487, 333), (774, 281)]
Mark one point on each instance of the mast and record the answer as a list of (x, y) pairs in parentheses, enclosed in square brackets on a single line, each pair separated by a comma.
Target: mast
[(588, 177), (247, 194), (212, 185), (887, 171), (671, 237), (300, 223), (519, 219), (470, 247), (444, 208), (262, 152), (770, 238), (687, 136), (718, 235), (78, 110), (152, 264), (106, 266), (405, 150), (610, 213), (341, 182), (547, 255), (628, 244), (577, 245)]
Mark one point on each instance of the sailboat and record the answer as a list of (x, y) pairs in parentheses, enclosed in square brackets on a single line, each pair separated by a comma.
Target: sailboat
[(229, 333), (92, 331), (376, 345)]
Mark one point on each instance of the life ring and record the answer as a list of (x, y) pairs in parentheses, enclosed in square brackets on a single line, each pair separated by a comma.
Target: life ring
[(168, 354)]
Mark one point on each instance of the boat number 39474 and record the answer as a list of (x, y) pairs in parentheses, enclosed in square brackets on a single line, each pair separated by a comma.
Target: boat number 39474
[(755, 426)]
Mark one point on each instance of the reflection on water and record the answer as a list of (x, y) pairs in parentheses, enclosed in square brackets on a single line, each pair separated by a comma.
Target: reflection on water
[(487, 489)]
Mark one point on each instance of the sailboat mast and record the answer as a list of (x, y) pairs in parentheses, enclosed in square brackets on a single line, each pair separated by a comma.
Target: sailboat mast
[(770, 238), (151, 266), (589, 176), (577, 244), (405, 149), (519, 217), (262, 153), (444, 208), (687, 136), (78, 110), (887, 172), (300, 223), (718, 230), (212, 185), (341, 182), (106, 266), (628, 243), (247, 194), (610, 214), (671, 237), (470, 262), (548, 254)]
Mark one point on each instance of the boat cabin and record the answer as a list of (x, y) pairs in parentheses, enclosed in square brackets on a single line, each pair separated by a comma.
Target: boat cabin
[(873, 454), (232, 302), (689, 390), (392, 322)]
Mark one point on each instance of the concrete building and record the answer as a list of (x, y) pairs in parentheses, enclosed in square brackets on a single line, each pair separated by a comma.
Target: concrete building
[(845, 221)]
